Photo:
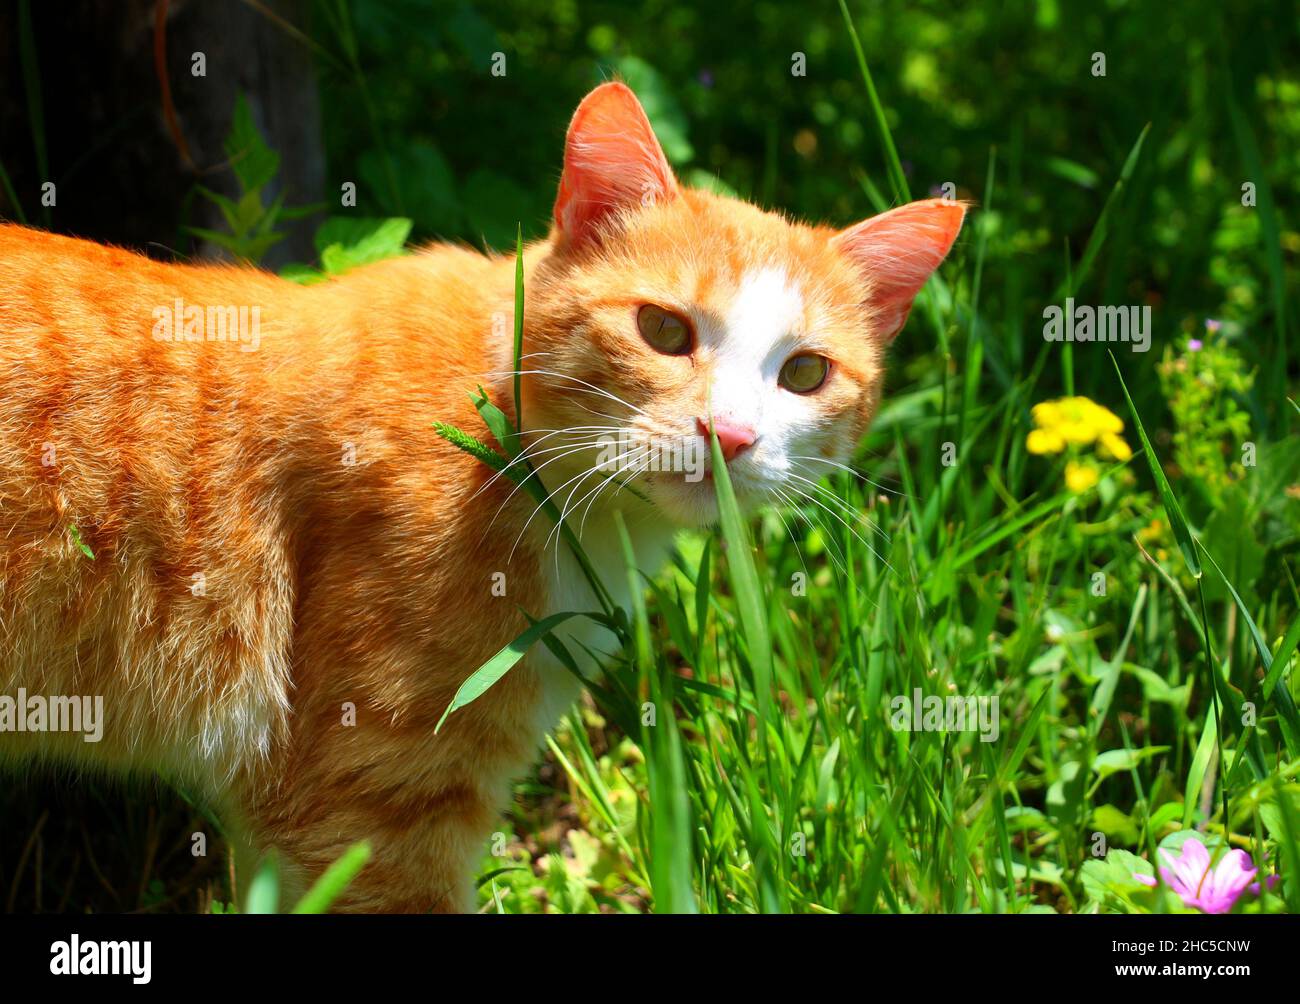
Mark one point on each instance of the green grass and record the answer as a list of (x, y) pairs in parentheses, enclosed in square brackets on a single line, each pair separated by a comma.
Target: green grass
[(776, 782)]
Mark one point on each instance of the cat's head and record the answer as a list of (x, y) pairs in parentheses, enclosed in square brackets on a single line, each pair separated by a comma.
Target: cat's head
[(661, 309)]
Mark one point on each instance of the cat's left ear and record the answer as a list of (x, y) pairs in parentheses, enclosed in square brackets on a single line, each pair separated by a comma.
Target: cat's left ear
[(612, 161), (897, 251)]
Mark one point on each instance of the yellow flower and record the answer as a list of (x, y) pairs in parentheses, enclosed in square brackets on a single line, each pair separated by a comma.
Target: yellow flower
[(1152, 531), (1114, 446), (1077, 421), (1079, 477), (1078, 433), (1046, 414), (1042, 441), (1106, 421)]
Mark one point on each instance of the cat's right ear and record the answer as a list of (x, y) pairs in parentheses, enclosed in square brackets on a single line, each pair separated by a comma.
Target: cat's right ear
[(897, 251), (612, 161)]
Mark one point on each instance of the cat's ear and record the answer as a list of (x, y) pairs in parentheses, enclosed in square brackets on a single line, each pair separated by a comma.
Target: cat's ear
[(612, 161), (896, 252)]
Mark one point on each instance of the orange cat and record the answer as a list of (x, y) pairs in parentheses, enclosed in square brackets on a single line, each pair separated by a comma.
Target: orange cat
[(292, 573)]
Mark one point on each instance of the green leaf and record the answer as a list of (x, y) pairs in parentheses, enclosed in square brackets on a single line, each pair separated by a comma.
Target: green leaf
[(254, 162), (1156, 688), (1200, 763), (497, 422), (1113, 761), (474, 447), (303, 274), (482, 679), (76, 539), (1072, 171), (1115, 823), (1290, 719), (519, 327), (1110, 881), (1229, 532), (345, 244), (1065, 794), (1281, 659)]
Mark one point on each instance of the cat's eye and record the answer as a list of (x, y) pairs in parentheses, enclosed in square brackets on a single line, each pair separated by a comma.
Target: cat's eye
[(804, 373), (663, 330)]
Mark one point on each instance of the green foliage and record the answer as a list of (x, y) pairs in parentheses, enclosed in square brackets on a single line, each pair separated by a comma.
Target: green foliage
[(347, 242), (251, 221), (1205, 380)]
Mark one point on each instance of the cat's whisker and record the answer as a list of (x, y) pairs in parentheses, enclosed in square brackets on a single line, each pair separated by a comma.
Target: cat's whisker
[(850, 511), (592, 388), (595, 493), (845, 467), (591, 445), (844, 506), (541, 505), (566, 509), (529, 455), (601, 414), (789, 533), (529, 452), (837, 556), (816, 501), (562, 451)]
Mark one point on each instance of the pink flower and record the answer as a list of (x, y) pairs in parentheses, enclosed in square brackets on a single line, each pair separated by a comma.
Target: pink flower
[(1212, 325), (1210, 890), (1194, 345)]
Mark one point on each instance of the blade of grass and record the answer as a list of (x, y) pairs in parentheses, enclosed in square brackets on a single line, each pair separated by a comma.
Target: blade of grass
[(745, 582), (519, 329), (1177, 522), (482, 679), (336, 878), (1079, 275), (31, 72), (893, 166)]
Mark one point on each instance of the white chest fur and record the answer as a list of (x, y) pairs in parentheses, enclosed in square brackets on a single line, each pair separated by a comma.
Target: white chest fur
[(568, 590)]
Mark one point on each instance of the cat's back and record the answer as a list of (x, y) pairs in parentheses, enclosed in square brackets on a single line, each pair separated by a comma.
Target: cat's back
[(141, 558), (197, 461)]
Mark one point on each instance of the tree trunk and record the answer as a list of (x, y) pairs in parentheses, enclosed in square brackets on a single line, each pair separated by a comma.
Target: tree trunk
[(101, 134)]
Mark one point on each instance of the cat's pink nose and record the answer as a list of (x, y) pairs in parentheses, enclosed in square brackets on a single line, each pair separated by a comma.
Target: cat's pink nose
[(733, 437)]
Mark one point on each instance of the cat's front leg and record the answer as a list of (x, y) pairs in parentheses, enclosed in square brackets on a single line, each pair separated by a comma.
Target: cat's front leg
[(426, 801), (424, 846)]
